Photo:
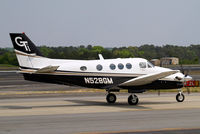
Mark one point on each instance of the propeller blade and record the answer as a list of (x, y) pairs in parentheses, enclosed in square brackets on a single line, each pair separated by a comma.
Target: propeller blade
[(182, 70), (187, 72), (158, 92), (188, 90)]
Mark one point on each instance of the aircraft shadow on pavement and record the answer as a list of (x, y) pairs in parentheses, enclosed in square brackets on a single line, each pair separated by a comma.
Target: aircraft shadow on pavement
[(87, 102), (98, 103), (153, 102), (82, 103), (78, 103), (119, 104)]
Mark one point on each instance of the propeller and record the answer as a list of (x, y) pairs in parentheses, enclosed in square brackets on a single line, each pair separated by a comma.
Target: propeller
[(182, 70), (158, 92), (188, 90), (185, 72)]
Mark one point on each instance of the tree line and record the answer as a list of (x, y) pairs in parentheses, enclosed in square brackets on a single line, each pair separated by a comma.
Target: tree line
[(186, 54)]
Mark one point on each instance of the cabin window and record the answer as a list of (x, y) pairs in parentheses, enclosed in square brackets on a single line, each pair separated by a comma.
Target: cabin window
[(99, 67), (128, 66), (83, 68), (112, 66), (142, 64), (120, 66)]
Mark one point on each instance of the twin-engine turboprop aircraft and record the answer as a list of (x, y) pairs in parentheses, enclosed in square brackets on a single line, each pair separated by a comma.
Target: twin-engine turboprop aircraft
[(137, 75)]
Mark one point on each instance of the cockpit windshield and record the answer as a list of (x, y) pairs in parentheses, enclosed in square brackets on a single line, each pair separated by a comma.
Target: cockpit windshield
[(146, 64), (149, 64)]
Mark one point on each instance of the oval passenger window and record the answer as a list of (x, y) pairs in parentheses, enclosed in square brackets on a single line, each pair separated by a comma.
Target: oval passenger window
[(120, 66), (99, 67), (128, 66), (112, 66), (83, 68)]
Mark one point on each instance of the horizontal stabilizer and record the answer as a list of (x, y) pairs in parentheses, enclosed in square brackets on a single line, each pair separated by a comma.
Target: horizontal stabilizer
[(149, 78), (48, 69)]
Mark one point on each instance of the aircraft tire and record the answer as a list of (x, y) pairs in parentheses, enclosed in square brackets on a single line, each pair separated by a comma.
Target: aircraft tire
[(111, 98), (180, 97), (133, 100)]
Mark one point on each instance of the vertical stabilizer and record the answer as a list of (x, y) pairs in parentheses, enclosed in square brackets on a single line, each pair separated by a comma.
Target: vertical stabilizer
[(23, 44), (24, 48)]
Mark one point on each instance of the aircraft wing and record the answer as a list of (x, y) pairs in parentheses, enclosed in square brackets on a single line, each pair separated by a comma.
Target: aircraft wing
[(146, 79)]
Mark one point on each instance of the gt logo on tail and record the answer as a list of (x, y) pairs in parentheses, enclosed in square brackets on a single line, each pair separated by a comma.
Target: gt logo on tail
[(19, 42)]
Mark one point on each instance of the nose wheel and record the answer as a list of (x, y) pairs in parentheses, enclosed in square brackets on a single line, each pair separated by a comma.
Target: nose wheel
[(133, 100), (111, 98), (180, 97)]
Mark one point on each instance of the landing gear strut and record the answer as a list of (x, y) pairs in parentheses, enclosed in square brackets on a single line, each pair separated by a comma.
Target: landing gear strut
[(133, 99), (180, 96), (111, 98)]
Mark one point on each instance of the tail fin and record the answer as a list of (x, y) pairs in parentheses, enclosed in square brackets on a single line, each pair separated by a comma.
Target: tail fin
[(25, 50), (23, 44)]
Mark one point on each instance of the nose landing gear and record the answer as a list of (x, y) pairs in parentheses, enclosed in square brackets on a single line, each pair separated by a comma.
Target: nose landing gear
[(180, 96), (133, 99)]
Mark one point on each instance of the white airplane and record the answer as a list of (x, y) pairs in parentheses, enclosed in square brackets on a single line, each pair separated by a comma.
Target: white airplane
[(137, 75)]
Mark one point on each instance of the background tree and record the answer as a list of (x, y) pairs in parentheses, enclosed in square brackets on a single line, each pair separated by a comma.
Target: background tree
[(186, 54)]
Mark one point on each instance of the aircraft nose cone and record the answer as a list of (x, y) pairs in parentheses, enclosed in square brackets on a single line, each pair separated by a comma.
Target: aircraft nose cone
[(188, 78)]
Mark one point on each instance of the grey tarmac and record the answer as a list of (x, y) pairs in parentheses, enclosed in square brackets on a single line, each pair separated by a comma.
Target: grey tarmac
[(88, 112), (91, 114)]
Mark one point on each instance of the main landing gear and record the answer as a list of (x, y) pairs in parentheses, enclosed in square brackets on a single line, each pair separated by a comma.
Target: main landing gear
[(132, 99), (180, 96), (111, 98)]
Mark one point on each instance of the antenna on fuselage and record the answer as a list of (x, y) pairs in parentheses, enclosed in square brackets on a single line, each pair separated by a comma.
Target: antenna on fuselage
[(100, 57)]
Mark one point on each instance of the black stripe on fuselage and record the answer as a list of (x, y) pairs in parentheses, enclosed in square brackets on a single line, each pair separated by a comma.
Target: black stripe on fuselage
[(101, 82)]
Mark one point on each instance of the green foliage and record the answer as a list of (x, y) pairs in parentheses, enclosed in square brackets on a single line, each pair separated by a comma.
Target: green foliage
[(187, 55), (8, 58), (123, 52)]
